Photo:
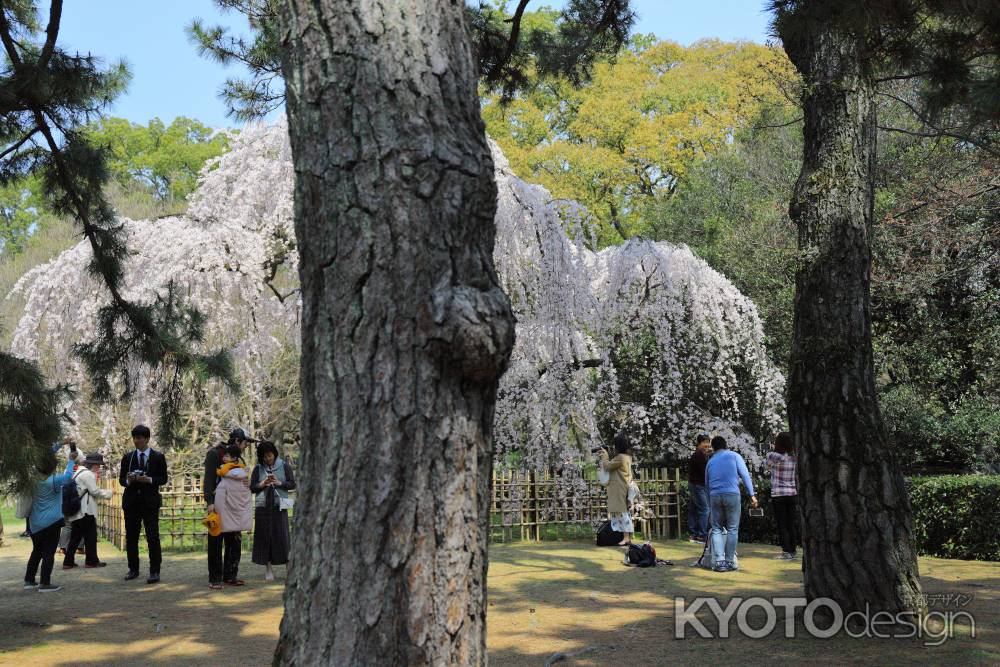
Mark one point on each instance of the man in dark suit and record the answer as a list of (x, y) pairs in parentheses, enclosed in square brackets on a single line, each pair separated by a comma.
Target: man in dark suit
[(142, 473)]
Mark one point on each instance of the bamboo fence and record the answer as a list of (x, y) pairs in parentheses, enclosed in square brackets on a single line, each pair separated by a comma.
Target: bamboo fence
[(526, 506), (180, 514), (535, 506)]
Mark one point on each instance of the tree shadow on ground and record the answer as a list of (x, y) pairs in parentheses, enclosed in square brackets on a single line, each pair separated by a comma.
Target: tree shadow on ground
[(580, 601), (99, 619), (543, 599)]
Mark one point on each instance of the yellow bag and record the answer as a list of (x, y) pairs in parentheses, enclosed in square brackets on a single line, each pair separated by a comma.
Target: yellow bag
[(213, 523)]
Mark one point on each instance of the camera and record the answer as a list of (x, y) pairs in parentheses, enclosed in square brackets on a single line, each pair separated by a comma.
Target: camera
[(594, 450)]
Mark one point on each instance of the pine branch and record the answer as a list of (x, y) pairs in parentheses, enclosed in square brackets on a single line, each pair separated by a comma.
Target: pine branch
[(56, 91)]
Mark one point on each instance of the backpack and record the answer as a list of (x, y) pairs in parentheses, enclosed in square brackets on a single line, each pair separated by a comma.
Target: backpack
[(71, 498), (641, 555), (607, 536)]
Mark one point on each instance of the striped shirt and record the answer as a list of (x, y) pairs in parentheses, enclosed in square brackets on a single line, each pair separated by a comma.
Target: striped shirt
[(782, 469)]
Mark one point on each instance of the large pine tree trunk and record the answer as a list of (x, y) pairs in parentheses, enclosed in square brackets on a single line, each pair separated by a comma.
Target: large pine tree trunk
[(856, 523), (405, 334)]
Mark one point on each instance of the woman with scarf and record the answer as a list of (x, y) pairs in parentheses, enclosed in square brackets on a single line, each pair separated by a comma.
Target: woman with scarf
[(271, 481)]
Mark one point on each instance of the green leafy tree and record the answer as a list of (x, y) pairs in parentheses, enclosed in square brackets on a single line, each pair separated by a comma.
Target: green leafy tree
[(47, 96), (20, 210), (633, 134), (164, 159), (936, 298)]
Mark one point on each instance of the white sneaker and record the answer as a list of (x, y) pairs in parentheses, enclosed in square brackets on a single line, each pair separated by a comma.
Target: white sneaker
[(269, 576), (30, 585), (784, 555), (49, 588)]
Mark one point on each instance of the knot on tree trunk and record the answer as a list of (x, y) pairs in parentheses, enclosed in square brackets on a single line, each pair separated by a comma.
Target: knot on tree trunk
[(475, 329)]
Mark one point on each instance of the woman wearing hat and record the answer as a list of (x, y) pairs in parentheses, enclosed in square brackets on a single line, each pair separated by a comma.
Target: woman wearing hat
[(84, 522)]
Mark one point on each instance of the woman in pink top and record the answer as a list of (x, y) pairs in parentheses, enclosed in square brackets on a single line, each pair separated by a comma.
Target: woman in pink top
[(781, 465)]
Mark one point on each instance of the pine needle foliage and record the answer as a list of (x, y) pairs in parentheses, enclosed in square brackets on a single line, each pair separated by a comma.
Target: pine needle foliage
[(947, 50), (29, 421), (264, 90), (47, 98), (508, 46)]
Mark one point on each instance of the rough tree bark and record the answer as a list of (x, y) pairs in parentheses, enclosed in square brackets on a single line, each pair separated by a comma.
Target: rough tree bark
[(405, 334), (856, 521)]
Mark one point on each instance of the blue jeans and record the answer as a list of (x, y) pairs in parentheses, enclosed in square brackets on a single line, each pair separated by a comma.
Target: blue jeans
[(697, 510), (725, 517)]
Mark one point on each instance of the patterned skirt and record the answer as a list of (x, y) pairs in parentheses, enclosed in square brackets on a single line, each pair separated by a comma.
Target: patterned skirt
[(622, 523), (270, 536)]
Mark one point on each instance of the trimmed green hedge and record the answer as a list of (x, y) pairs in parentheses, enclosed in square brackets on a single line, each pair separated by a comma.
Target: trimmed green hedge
[(957, 516), (954, 516)]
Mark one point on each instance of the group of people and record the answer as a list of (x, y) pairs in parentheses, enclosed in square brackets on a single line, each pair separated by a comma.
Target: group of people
[(227, 490), (237, 499), (714, 507)]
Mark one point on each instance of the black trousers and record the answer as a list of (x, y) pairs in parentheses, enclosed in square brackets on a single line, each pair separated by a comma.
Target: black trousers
[(43, 551), (84, 530), (224, 568), (787, 517), (136, 518)]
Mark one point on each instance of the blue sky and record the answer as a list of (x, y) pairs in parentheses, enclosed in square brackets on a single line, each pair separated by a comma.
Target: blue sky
[(170, 79)]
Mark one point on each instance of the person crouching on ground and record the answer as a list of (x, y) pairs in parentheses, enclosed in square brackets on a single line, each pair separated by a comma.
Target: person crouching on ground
[(722, 477), (271, 481), (84, 522), (620, 470), (234, 504)]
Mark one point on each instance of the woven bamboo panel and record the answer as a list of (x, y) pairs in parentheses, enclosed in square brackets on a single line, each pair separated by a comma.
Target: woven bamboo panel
[(526, 505), (180, 515)]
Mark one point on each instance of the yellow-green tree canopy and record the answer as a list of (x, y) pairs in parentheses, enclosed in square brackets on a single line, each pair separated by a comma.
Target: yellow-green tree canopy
[(164, 158), (630, 135)]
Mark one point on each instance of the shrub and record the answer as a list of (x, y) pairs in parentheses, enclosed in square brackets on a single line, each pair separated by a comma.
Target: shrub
[(962, 438), (957, 516)]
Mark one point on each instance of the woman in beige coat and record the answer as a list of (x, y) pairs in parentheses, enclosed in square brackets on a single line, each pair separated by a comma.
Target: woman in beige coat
[(620, 470)]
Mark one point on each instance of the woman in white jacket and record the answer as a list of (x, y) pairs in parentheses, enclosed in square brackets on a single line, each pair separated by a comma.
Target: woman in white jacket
[(84, 522)]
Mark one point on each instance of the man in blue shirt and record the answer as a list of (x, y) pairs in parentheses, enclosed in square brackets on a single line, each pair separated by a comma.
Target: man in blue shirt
[(722, 477)]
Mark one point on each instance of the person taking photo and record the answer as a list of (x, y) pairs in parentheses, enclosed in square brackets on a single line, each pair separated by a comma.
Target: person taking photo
[(143, 471)]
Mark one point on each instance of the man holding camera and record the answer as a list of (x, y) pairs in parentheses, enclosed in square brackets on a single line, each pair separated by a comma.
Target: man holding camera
[(222, 570), (143, 472)]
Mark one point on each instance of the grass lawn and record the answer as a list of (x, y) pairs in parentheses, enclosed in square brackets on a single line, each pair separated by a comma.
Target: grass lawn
[(567, 597)]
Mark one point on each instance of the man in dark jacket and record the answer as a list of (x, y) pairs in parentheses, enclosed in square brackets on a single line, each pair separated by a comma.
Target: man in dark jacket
[(142, 473), (697, 492), (222, 569)]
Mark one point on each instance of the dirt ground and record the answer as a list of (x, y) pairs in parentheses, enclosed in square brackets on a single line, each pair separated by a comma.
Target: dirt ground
[(566, 598)]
